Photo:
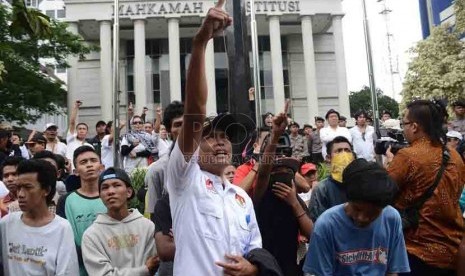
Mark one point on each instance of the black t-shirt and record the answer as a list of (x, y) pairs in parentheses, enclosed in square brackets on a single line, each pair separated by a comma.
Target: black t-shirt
[(162, 215), (279, 228)]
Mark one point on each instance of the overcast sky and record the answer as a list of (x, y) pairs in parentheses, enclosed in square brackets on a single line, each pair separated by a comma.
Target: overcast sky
[(404, 24)]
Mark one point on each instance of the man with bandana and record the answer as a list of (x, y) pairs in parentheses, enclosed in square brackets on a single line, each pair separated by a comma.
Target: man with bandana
[(331, 191)]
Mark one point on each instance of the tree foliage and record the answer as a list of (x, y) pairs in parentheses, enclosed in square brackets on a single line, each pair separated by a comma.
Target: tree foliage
[(28, 37), (437, 69), (361, 100)]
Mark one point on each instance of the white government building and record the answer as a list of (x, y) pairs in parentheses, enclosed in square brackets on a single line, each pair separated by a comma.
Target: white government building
[(300, 43)]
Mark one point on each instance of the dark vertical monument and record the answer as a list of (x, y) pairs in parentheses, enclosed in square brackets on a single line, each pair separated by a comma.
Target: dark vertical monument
[(239, 74)]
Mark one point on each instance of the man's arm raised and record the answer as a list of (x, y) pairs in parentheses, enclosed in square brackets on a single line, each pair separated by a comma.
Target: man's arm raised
[(196, 86)]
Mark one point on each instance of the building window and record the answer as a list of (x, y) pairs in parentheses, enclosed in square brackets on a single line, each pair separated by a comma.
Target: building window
[(50, 13), (61, 13)]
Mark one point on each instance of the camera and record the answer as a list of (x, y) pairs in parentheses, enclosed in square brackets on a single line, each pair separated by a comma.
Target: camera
[(388, 137), (283, 148)]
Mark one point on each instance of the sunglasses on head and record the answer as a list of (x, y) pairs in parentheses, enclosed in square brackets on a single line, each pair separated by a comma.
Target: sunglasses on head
[(137, 123)]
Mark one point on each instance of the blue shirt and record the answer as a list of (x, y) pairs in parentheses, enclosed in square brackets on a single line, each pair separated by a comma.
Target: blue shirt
[(338, 247)]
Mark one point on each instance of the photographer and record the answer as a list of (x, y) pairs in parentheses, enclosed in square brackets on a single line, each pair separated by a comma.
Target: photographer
[(281, 214), (433, 242)]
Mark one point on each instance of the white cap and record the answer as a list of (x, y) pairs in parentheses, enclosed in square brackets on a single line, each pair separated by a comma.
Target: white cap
[(50, 125), (454, 134)]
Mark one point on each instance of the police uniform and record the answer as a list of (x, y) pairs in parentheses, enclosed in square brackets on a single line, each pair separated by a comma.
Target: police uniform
[(209, 221)]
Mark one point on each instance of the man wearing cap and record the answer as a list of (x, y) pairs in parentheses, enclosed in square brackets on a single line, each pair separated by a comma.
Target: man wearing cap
[(96, 142), (458, 124), (453, 138), (213, 221), (327, 134), (317, 145), (363, 236), (280, 212), (53, 143), (120, 241), (298, 143), (36, 143)]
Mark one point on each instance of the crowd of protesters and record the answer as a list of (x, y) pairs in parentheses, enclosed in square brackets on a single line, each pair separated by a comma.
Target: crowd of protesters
[(303, 201)]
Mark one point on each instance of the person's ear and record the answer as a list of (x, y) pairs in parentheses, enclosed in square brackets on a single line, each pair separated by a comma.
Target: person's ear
[(130, 192), (101, 168)]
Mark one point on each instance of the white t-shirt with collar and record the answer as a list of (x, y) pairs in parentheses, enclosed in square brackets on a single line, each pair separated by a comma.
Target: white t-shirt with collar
[(72, 143), (327, 134), (208, 221)]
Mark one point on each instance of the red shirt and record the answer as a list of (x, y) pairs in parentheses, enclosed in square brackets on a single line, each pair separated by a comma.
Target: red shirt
[(242, 171)]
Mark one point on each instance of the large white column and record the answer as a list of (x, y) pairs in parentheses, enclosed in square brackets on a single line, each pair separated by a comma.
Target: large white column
[(72, 71), (210, 70), (139, 65), (105, 70), (276, 63), (344, 108), (175, 59), (310, 71)]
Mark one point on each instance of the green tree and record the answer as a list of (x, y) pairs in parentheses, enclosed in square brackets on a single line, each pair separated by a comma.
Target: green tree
[(27, 37), (437, 69), (361, 100)]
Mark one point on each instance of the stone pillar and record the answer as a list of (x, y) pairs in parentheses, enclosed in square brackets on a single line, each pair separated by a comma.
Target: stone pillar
[(175, 59), (105, 71), (276, 63), (310, 73), (73, 27), (344, 107), (139, 65), (210, 70)]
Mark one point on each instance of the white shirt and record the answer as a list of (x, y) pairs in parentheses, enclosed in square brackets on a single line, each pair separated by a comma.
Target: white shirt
[(363, 143), (131, 163), (107, 152), (57, 148), (327, 134), (46, 250), (3, 190), (72, 144), (164, 146), (208, 221)]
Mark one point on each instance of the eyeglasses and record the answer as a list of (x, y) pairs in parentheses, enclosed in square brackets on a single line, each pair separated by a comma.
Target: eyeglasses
[(137, 123), (402, 124)]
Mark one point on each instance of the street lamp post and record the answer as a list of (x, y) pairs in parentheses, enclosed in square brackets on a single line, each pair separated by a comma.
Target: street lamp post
[(115, 86), (371, 75), (255, 63)]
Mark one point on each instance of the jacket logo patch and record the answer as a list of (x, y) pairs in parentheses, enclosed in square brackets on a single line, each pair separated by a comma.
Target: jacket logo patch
[(210, 187), (240, 200)]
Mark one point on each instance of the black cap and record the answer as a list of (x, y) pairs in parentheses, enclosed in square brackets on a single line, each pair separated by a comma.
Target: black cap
[(368, 182), (100, 123), (342, 118), (224, 122), (294, 123), (331, 111), (288, 162), (460, 102), (37, 138), (318, 118), (115, 173)]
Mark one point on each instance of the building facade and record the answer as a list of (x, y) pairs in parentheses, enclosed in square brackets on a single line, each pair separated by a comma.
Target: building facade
[(300, 44)]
